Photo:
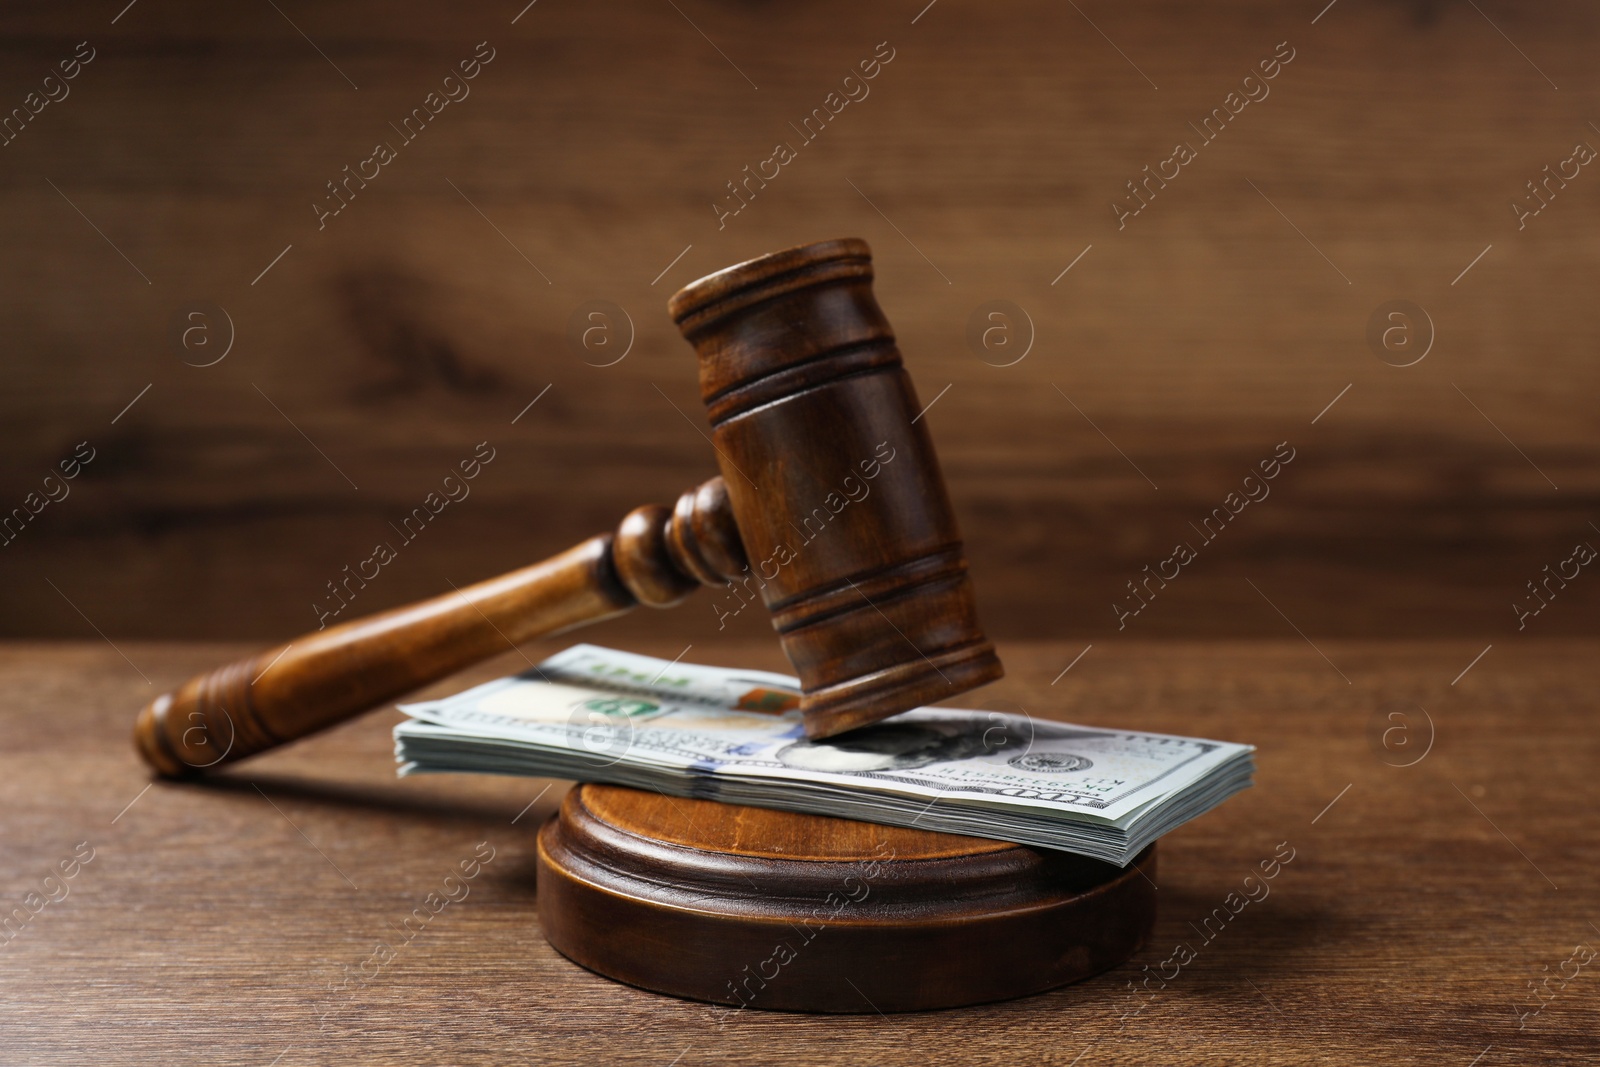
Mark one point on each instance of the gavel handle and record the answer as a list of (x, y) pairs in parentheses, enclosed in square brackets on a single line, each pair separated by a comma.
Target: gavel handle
[(322, 678)]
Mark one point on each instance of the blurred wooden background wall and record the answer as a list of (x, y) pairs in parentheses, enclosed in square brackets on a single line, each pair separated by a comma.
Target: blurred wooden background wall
[(377, 352)]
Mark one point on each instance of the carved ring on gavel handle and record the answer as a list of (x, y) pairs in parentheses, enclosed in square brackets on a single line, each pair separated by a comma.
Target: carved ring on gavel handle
[(809, 403)]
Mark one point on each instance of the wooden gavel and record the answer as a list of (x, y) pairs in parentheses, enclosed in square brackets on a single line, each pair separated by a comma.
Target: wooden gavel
[(830, 504)]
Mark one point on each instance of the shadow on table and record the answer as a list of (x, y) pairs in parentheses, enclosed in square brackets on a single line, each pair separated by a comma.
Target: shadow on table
[(1259, 944), (517, 868), (389, 799)]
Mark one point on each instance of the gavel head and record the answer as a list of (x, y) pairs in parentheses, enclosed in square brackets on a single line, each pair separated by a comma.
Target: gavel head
[(832, 480)]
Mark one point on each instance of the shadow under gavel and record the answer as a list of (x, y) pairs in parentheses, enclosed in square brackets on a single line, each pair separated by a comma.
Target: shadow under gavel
[(830, 505)]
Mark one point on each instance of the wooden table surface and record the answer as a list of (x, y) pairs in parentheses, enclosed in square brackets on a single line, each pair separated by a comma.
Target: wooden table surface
[(219, 923)]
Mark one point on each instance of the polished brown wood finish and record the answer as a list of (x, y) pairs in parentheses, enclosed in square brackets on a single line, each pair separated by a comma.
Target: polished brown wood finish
[(1196, 337), (764, 909), (849, 532), (807, 394), (656, 557), (1405, 931)]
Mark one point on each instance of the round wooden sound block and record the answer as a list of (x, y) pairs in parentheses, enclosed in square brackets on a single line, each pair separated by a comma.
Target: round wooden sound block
[(756, 908)]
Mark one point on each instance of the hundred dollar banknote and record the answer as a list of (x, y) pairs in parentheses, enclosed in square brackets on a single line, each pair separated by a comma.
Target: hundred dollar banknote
[(599, 715)]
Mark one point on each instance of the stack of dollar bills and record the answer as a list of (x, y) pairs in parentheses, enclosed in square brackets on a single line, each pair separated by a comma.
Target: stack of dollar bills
[(597, 715)]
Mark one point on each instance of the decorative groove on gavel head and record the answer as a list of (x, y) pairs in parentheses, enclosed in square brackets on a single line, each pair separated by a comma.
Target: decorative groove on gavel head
[(831, 475), (831, 504)]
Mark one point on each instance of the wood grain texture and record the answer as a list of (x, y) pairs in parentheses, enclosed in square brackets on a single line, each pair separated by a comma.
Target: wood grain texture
[(1405, 930), (780, 911), (329, 675), (596, 143), (836, 489), (709, 826), (806, 392)]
